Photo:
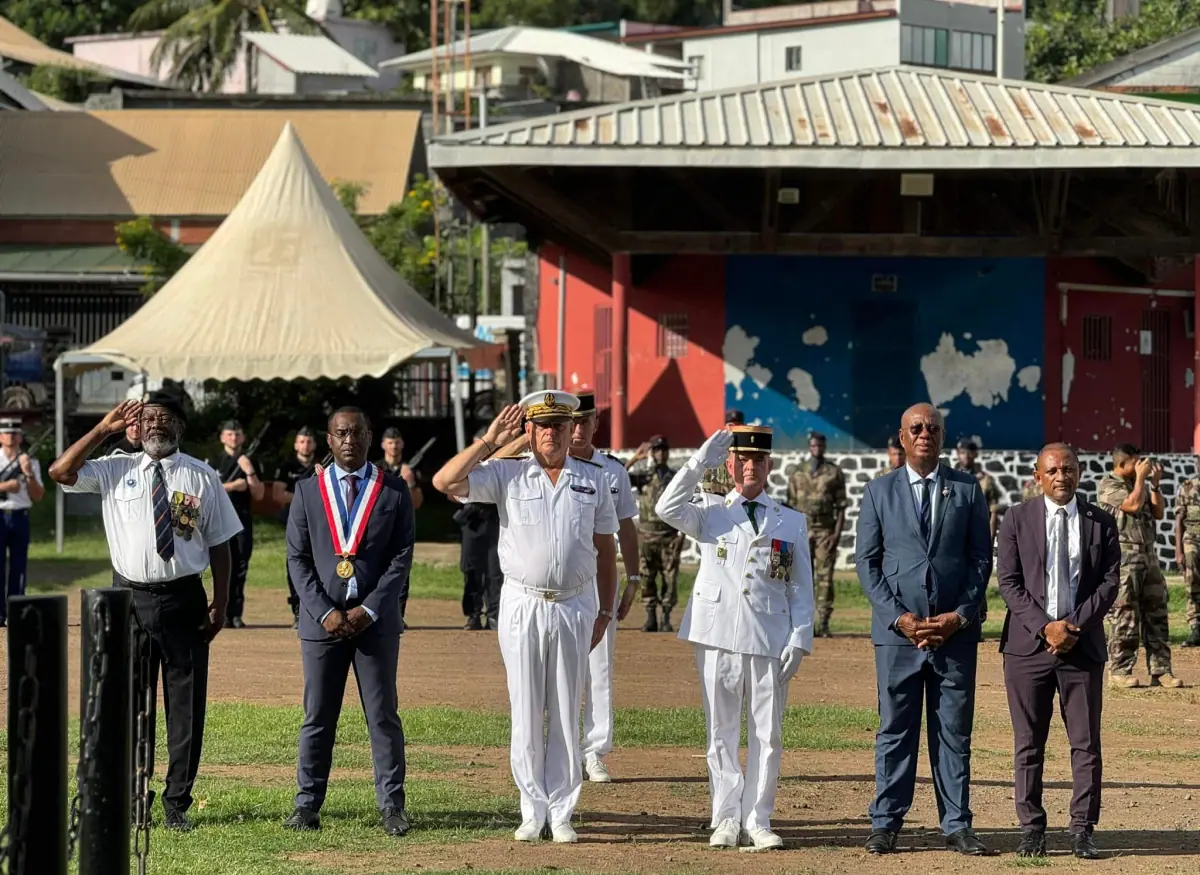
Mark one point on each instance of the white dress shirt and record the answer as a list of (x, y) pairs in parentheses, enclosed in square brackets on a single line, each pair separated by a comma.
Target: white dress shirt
[(124, 484), (1074, 548), (618, 485), (20, 499), (914, 482), (344, 485), (546, 528)]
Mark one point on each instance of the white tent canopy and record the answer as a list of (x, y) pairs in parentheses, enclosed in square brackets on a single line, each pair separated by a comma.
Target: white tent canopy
[(288, 287)]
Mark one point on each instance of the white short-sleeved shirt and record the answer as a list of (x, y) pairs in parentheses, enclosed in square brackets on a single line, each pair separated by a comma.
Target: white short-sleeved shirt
[(618, 485), (123, 483), (20, 499), (546, 529)]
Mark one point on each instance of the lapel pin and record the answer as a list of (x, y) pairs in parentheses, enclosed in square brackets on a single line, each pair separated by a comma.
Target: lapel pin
[(945, 492)]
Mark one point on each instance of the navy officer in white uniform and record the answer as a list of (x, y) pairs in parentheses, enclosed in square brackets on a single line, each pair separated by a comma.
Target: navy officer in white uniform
[(750, 619), (167, 518), (559, 559), (20, 487)]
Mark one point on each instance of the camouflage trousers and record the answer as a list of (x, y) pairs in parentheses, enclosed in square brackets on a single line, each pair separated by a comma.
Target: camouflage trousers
[(823, 559), (660, 560), (1191, 580), (1140, 611)]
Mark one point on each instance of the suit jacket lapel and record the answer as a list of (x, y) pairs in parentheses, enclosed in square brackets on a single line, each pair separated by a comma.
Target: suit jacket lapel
[(1087, 533), (1038, 578), (770, 520), (942, 488), (904, 494)]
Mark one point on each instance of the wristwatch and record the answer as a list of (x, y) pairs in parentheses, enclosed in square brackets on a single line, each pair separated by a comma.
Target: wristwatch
[(606, 613)]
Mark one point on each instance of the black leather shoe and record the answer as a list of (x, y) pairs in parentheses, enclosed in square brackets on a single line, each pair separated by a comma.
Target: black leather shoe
[(1084, 847), (474, 624), (966, 842), (237, 623), (177, 820), (881, 841), (395, 821), (303, 819), (1033, 844)]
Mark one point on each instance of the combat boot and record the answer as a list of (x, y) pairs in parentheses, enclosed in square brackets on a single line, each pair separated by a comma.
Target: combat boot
[(665, 625), (821, 630), (1193, 640), (651, 624)]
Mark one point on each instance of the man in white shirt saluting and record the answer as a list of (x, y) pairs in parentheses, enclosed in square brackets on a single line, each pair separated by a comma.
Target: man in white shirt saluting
[(20, 486), (166, 518)]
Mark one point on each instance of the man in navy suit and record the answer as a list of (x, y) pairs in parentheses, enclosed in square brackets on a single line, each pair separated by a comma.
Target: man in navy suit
[(350, 540), (923, 554)]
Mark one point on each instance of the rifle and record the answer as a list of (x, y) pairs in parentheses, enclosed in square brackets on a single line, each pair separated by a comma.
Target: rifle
[(420, 454), (15, 465), (250, 450)]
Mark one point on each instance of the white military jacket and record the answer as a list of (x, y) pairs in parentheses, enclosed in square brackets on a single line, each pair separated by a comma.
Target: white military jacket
[(754, 592)]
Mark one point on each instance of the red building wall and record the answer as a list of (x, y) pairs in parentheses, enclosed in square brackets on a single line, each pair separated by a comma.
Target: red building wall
[(92, 232), (675, 387)]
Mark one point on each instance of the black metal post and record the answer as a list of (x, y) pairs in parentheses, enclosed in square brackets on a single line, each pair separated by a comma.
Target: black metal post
[(105, 731), (36, 833)]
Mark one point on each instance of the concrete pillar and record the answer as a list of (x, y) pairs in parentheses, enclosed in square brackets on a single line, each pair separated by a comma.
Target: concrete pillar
[(620, 347)]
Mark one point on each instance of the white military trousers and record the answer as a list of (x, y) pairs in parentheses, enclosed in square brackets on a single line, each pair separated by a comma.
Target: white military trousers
[(729, 681), (544, 645), (598, 703)]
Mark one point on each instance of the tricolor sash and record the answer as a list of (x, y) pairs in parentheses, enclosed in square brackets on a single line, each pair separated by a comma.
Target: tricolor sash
[(350, 524)]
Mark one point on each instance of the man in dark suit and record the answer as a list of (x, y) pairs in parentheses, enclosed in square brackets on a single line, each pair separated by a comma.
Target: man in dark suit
[(1059, 566), (349, 578), (923, 550)]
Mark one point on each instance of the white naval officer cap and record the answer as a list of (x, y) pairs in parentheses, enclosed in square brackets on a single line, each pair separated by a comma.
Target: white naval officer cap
[(9, 425), (550, 405)]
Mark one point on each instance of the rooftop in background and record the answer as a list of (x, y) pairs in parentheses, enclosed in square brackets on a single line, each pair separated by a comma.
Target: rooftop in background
[(191, 163), (1170, 65), (139, 98), (586, 51), (17, 45), (313, 54)]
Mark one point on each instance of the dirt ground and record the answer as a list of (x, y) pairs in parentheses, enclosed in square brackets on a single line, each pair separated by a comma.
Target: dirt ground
[(653, 818)]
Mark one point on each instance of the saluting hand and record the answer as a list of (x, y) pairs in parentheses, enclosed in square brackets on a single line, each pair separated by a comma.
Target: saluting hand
[(716, 448), (121, 417), (508, 426)]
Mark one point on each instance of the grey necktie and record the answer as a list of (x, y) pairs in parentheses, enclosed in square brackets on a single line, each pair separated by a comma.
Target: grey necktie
[(1062, 563)]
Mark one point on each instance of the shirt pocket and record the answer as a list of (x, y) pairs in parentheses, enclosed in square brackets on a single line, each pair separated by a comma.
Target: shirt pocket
[(583, 509), (129, 498), (727, 544), (526, 505)]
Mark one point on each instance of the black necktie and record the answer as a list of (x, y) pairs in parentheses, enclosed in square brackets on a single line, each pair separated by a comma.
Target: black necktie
[(1062, 562), (751, 508), (164, 538), (352, 490), (926, 509)]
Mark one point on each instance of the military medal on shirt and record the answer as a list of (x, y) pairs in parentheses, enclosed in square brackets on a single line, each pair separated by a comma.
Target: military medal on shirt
[(185, 513), (348, 525), (782, 555)]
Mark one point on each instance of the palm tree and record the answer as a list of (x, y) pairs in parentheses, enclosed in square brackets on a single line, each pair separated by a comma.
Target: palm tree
[(201, 38)]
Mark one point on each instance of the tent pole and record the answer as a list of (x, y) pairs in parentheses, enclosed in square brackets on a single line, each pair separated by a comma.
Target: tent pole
[(459, 427), (60, 510)]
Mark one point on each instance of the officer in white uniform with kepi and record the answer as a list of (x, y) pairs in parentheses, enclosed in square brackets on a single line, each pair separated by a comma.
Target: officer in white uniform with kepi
[(750, 619), (558, 556), (598, 693), (20, 487)]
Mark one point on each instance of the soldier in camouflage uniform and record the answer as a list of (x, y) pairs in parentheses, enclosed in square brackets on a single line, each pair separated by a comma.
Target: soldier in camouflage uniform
[(1130, 493), (1187, 552), (895, 458), (818, 490), (968, 451), (718, 480), (660, 544), (1032, 489)]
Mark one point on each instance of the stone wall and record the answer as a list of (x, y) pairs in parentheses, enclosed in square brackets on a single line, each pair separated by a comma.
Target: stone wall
[(1010, 469)]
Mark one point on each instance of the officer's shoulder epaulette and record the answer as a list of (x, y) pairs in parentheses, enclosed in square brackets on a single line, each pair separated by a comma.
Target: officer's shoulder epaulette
[(611, 456), (589, 462)]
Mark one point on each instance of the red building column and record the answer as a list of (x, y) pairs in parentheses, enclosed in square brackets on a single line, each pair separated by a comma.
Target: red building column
[(620, 350), (1196, 357)]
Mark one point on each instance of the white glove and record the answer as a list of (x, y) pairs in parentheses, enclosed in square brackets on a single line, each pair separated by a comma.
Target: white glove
[(789, 663), (716, 448)]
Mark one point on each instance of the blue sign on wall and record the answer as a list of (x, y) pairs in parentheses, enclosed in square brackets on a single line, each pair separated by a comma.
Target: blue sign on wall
[(844, 345)]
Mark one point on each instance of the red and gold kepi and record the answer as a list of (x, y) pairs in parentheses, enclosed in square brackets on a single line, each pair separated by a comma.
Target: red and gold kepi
[(549, 406), (751, 438)]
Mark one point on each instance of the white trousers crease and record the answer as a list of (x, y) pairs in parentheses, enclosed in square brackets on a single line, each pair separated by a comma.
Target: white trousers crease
[(598, 701), (545, 647), (728, 682)]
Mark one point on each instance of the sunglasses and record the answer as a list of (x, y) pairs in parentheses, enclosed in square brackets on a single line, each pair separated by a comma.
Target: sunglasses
[(919, 427)]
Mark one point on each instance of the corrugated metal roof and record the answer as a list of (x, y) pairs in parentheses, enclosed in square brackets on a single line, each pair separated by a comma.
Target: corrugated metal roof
[(65, 259), (314, 54), (17, 45), (181, 162), (540, 42), (895, 117)]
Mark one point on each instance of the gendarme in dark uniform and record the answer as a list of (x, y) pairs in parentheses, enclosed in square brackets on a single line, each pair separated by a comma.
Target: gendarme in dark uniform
[(229, 469), (393, 463), (299, 467)]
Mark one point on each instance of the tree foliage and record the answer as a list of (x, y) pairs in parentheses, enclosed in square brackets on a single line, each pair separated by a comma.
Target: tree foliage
[(160, 256), (71, 84)]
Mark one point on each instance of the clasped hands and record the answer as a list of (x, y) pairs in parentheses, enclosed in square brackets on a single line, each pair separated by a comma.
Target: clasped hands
[(931, 633), (346, 624), (1060, 636)]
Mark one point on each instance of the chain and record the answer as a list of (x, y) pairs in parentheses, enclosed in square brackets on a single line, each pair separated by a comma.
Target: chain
[(21, 786), (143, 738), (89, 730)]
